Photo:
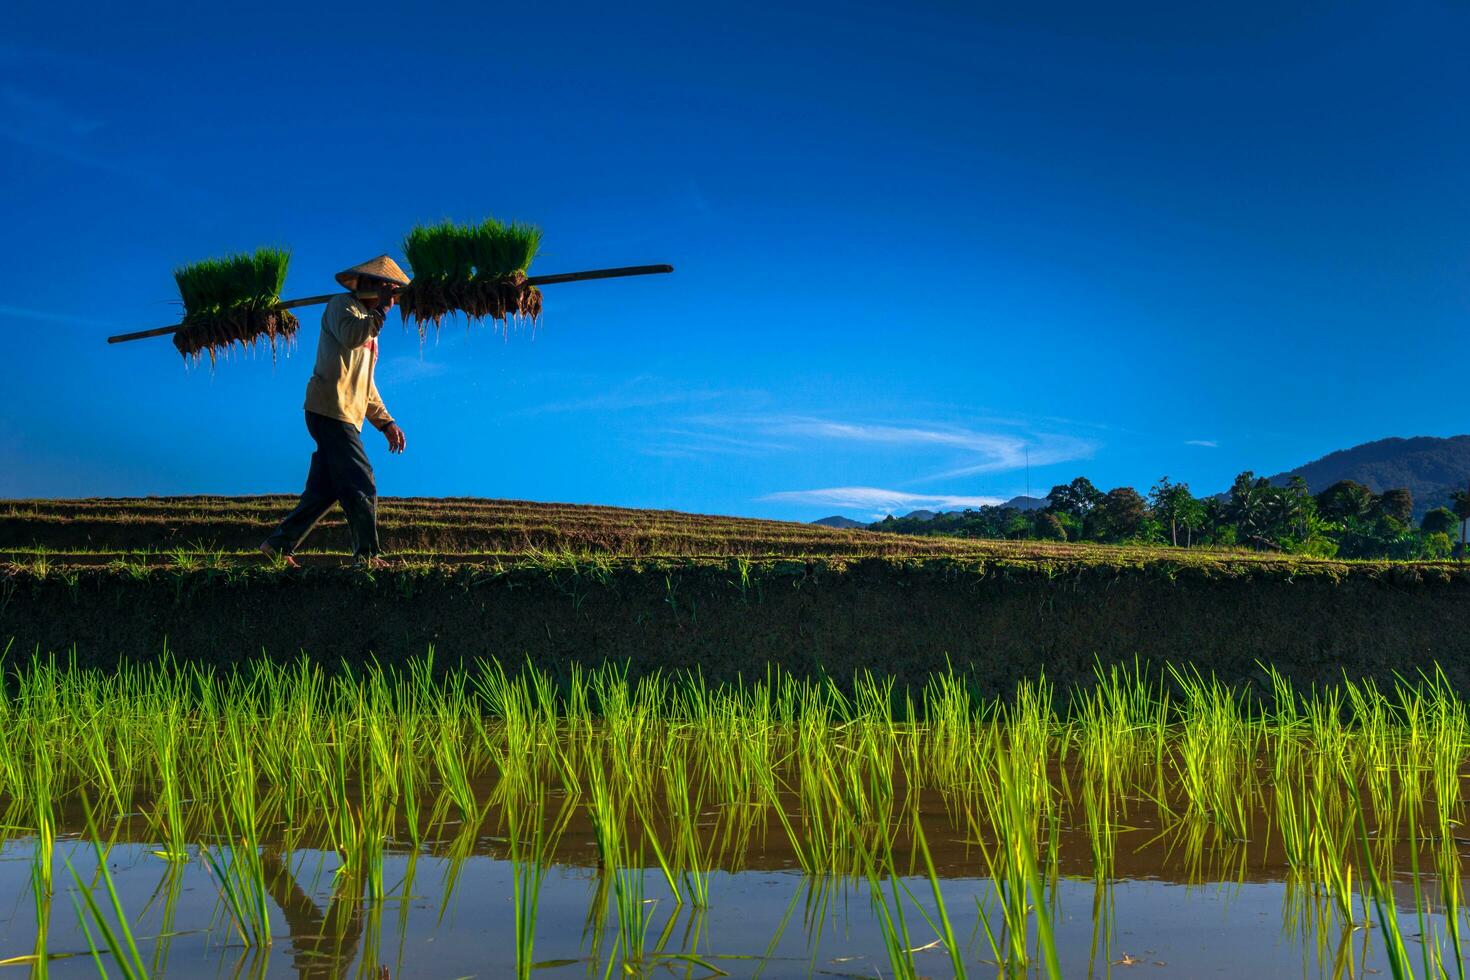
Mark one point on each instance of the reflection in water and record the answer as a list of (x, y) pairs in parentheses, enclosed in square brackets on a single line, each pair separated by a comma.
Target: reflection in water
[(758, 923), (496, 825)]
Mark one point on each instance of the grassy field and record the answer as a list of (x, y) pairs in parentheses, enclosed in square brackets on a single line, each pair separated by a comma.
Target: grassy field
[(439, 526), (475, 529)]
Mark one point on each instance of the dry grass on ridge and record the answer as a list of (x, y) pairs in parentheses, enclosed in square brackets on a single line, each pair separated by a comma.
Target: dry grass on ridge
[(467, 528)]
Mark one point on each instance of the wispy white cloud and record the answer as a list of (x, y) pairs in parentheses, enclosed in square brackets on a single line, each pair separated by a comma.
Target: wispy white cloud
[(1206, 443), (899, 435), (977, 451), (879, 499), (1038, 449), (639, 392), (687, 442)]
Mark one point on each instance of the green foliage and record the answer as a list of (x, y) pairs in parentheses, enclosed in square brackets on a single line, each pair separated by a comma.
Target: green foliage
[(478, 270), (1049, 527), (451, 253), (250, 281), (1075, 499), (1345, 521), (1176, 510), (440, 251), (1440, 520), (1346, 499), (499, 250), (1460, 504), (1437, 546), (1119, 516), (1397, 504)]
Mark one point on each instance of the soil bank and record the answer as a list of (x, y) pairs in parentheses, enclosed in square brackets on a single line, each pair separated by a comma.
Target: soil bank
[(1000, 622)]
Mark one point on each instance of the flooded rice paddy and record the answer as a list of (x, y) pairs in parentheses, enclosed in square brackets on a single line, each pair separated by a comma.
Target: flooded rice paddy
[(282, 821)]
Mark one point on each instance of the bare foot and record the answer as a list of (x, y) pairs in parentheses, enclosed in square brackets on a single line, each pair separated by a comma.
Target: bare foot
[(274, 555), (372, 563)]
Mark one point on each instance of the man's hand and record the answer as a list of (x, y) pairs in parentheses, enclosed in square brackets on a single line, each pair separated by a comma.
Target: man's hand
[(397, 441), (387, 296)]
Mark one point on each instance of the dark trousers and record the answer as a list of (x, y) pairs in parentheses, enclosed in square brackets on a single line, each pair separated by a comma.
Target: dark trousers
[(340, 474)]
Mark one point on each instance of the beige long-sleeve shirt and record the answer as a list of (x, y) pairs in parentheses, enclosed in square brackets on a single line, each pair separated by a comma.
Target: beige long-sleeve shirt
[(341, 384)]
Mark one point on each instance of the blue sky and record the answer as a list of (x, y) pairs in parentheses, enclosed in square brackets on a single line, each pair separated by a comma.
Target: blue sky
[(917, 245)]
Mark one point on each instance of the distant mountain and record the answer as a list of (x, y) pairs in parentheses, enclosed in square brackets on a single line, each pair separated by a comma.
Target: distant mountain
[(921, 515), (838, 521), (1026, 503), (1430, 467)]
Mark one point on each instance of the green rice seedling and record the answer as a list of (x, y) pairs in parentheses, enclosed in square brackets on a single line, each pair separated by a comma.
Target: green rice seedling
[(169, 889), (343, 818), (1216, 745), (233, 301), (634, 913), (815, 843), (1290, 797), (241, 887), (650, 837), (706, 770), (1103, 905), (594, 925), (241, 875), (41, 894), (945, 928), (1332, 844), (451, 762), (478, 270), (1374, 750), (500, 250), (43, 809), (460, 848), (1306, 919), (167, 814), (103, 767), (622, 870), (892, 925), (410, 779), (685, 801), (532, 844), (1098, 795), (1385, 910), (1013, 864), (376, 815), (117, 936)]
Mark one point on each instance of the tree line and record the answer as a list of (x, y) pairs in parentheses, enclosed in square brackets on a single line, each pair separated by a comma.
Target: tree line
[(1346, 520)]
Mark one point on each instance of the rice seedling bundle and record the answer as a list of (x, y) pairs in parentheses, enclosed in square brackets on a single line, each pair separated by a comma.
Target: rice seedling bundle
[(478, 270), (233, 301)]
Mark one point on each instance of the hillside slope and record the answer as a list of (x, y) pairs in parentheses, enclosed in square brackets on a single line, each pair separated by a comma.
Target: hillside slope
[(1430, 467)]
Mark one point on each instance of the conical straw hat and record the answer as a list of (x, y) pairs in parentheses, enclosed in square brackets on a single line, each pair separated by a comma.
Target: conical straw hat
[(382, 267)]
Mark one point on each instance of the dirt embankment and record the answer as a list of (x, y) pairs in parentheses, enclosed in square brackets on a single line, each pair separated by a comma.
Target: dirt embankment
[(998, 621)]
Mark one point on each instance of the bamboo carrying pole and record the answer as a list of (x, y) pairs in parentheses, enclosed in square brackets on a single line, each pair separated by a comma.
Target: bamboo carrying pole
[(291, 304)]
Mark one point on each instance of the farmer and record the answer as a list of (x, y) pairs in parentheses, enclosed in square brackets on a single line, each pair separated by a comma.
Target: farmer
[(339, 395)]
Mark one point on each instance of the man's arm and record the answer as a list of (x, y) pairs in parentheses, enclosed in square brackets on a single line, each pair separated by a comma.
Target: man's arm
[(352, 327), (377, 414)]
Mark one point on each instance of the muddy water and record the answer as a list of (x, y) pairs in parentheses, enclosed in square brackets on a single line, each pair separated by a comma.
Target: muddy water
[(1181, 904)]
